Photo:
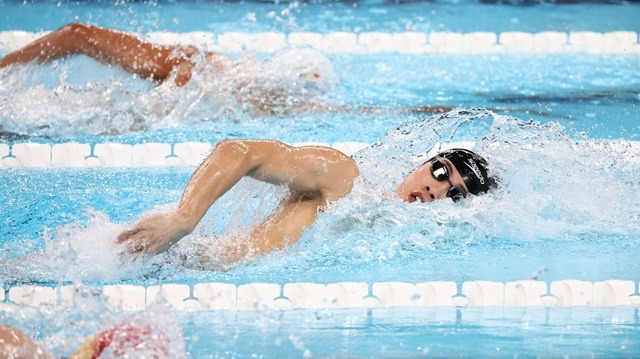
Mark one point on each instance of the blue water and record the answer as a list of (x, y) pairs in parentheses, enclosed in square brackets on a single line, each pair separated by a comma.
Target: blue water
[(67, 194), (545, 203), (597, 95), (441, 332), (323, 17), (566, 209)]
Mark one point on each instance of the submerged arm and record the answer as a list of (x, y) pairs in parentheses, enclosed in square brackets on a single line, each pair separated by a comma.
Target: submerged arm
[(314, 175)]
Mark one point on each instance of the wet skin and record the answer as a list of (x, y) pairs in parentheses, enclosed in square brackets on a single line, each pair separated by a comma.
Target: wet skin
[(420, 185), (315, 176)]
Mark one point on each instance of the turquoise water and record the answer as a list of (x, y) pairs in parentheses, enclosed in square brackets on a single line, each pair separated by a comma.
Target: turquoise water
[(441, 332), (566, 208), (324, 16), (595, 94), (546, 201)]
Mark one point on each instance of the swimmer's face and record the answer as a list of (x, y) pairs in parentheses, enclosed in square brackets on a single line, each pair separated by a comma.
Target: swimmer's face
[(436, 179)]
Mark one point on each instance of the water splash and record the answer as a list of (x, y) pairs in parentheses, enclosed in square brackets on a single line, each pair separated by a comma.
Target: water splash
[(113, 102), (61, 330), (558, 185), (553, 186), (70, 254)]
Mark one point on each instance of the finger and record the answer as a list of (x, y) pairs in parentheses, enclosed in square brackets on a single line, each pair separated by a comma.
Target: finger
[(139, 246), (126, 235), (134, 247)]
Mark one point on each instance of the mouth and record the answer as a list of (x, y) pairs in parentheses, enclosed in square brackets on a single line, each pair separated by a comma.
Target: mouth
[(416, 196)]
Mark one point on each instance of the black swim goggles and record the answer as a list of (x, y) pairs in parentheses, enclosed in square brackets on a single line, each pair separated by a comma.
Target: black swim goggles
[(440, 172)]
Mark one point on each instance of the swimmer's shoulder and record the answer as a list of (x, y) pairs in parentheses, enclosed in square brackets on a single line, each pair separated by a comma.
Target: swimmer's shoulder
[(335, 170), (321, 158)]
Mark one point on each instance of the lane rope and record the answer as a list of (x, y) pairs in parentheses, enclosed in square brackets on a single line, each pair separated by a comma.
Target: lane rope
[(259, 296), (511, 42)]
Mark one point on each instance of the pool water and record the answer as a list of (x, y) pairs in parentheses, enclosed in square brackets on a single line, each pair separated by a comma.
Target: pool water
[(560, 130), (596, 94), (468, 332)]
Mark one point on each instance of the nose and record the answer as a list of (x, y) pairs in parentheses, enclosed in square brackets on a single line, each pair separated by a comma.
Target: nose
[(430, 196), (438, 190)]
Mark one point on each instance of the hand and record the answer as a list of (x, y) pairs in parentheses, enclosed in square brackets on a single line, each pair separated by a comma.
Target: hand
[(154, 234)]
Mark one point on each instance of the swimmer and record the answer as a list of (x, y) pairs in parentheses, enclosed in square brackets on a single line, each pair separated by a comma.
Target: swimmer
[(176, 64), (315, 177), (111, 47), (121, 340)]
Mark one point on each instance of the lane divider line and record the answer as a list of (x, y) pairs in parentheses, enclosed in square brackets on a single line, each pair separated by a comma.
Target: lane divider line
[(267, 296), (510, 42), (155, 154), (151, 154)]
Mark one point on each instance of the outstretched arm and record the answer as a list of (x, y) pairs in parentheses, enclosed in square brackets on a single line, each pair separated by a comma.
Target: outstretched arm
[(315, 175), (108, 46)]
